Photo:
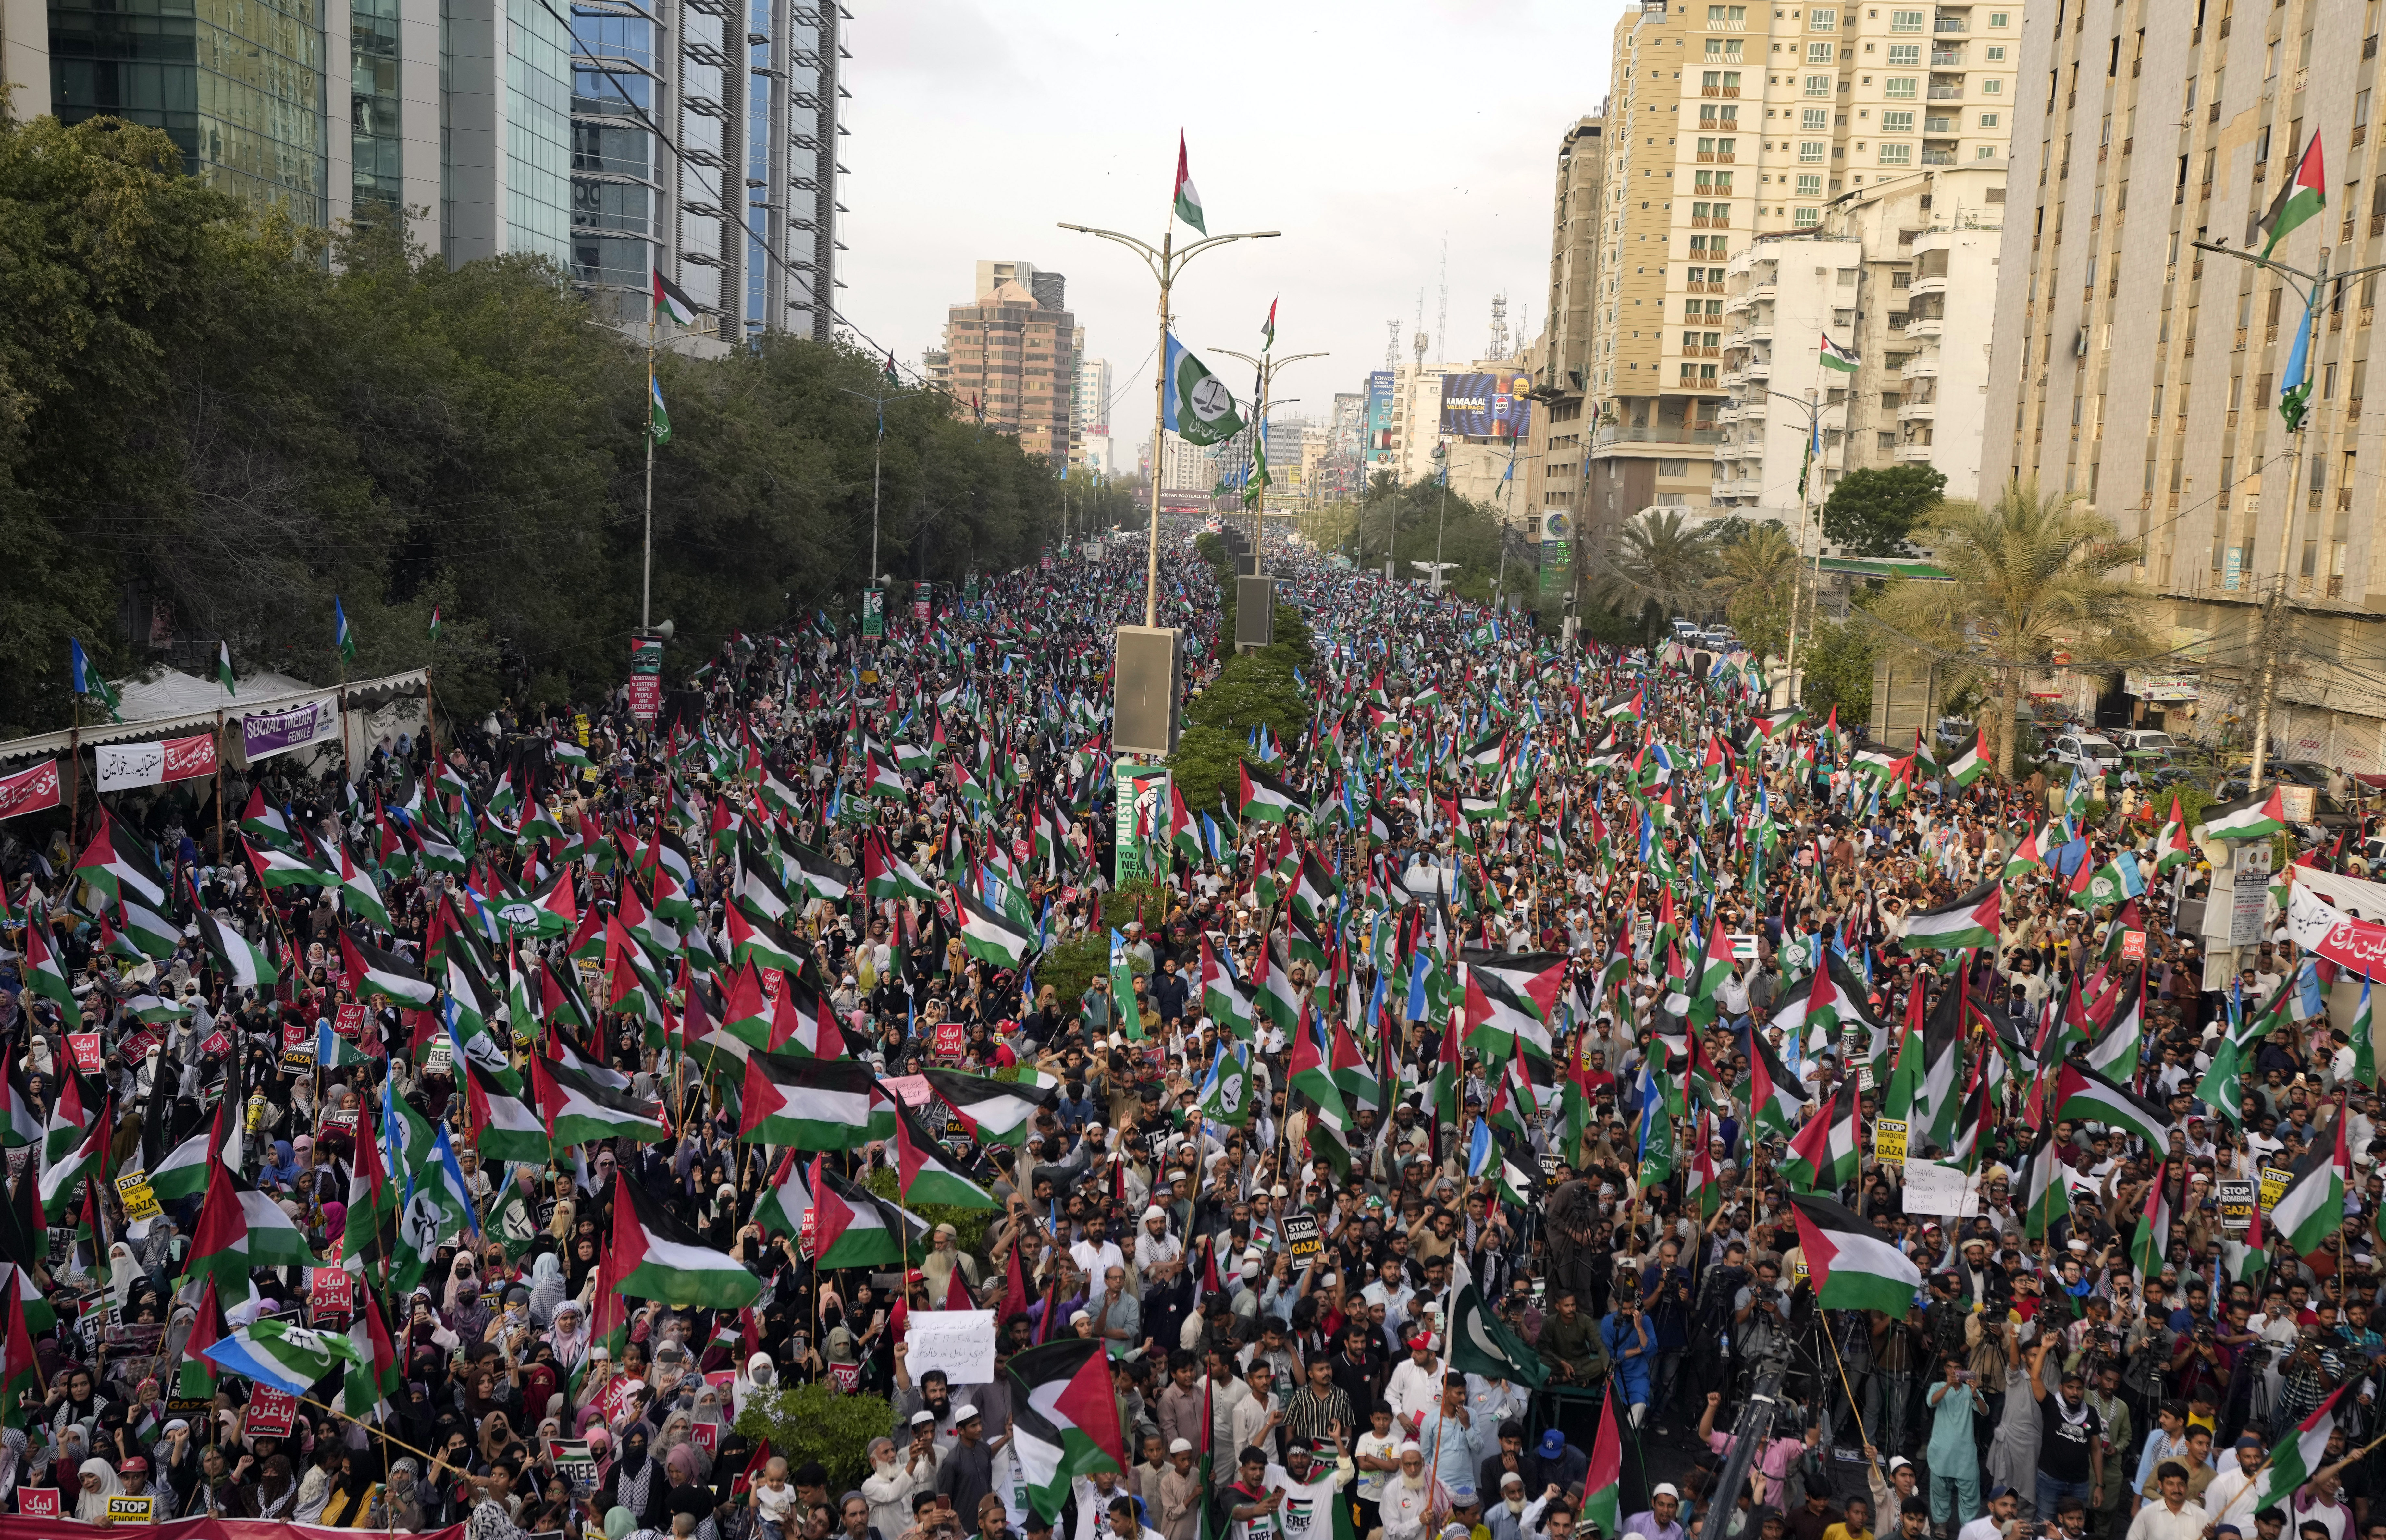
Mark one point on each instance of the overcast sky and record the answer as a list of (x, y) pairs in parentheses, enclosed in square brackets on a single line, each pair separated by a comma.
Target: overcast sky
[(1364, 133)]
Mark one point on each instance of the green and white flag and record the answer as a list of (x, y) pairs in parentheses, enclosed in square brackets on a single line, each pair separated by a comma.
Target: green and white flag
[(1187, 202), (223, 668), (1199, 407), (288, 1357), (660, 425)]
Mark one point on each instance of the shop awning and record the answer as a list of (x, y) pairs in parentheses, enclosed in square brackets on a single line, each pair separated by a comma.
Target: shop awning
[(358, 694)]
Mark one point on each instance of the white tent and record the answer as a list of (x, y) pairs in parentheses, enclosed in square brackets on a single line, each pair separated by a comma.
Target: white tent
[(175, 693)]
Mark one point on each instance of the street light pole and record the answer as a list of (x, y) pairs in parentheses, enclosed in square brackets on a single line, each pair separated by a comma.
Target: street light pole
[(1266, 367), (1814, 409), (1166, 263), (877, 447), (2274, 610)]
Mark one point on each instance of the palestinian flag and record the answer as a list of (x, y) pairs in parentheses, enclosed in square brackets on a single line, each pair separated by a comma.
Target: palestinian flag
[(279, 1353), (1967, 766), (1481, 1343), (1263, 797), (239, 1229), (1499, 1016), (62, 1179), (151, 933), (42, 973), (2084, 1094), (578, 1110), (672, 302), (2153, 1228), (998, 1112), (1823, 1156), (282, 869), (2249, 817), (2046, 1193), (825, 878), (2295, 1461), (1065, 1420), (923, 1174), (1971, 920), (21, 1395), (850, 1228), (1854, 1266), (383, 978), (653, 1258), (1775, 1096), (244, 964), (2311, 1209), (1185, 204), (2301, 198), (1939, 1103), (1603, 1484), (68, 1125), (787, 1202), (184, 1173), (197, 1377), (118, 863), (990, 936), (501, 1126), (374, 1380), (262, 822), (814, 1104), (1844, 360)]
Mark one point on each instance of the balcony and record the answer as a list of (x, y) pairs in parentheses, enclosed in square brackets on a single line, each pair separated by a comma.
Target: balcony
[(1922, 365), (1761, 293), (1918, 411), (1913, 454), (1946, 92), (1929, 284), (1934, 154), (1758, 369), (1754, 408), (1662, 434), (1948, 24), (1947, 58), (1759, 332)]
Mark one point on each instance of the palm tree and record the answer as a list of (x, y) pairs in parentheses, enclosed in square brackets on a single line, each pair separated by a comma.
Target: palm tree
[(1657, 563), (2034, 576), (1756, 575)]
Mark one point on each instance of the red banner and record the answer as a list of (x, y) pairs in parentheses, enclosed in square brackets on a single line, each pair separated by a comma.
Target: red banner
[(83, 1048), (21, 1527), (2354, 944), (29, 791), (349, 1022)]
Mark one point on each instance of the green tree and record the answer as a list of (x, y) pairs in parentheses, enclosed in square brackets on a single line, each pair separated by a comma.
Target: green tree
[(1657, 566), (1871, 511), (1756, 575), (1835, 670), (2034, 576), (817, 1422)]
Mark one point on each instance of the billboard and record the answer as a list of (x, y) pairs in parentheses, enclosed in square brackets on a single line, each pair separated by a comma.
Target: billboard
[(1486, 406), (1557, 556), (1379, 417)]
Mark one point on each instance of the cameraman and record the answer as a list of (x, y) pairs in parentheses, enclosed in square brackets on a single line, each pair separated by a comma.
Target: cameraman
[(1713, 1366)]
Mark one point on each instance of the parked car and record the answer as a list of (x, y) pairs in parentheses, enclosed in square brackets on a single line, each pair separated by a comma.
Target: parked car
[(1956, 733), (2144, 745), (2088, 752)]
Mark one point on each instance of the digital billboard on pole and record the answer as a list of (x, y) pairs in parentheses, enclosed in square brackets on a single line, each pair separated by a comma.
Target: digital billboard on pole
[(1378, 449), (1486, 406)]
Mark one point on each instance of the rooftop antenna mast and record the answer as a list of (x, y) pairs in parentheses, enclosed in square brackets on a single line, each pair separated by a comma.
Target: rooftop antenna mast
[(1392, 342), (1441, 311), (1499, 327)]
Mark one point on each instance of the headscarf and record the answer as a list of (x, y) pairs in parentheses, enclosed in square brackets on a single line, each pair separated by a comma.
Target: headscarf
[(708, 1411), (496, 1431), (94, 1504), (571, 1347), (461, 1277), (276, 1488), (547, 1289), (620, 1523), (12, 1460), (122, 1271), (636, 1474)]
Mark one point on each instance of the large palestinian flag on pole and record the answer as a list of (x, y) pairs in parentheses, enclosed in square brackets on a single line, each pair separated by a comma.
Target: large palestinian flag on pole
[(814, 1104), (653, 1258), (2249, 817), (1603, 1484), (1855, 1267), (1823, 1156), (2296, 1460), (1000, 1112), (1262, 796), (1971, 920), (1065, 1420), (2084, 1094), (2311, 1209), (579, 1110), (923, 1174)]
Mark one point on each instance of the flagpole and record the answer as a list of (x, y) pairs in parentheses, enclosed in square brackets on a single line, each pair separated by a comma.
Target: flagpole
[(646, 559)]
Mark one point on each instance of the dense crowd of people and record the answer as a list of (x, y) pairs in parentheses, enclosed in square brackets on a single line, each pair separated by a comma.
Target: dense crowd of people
[(1543, 1066)]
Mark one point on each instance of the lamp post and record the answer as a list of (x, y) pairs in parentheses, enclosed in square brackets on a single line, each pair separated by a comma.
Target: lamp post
[(1813, 410), (878, 403), (1165, 262), (1266, 367), (2308, 292)]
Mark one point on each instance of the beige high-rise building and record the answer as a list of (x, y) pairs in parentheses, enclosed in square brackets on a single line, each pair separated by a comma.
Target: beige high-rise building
[(2144, 374), (1730, 121), (1010, 360), (1560, 355)]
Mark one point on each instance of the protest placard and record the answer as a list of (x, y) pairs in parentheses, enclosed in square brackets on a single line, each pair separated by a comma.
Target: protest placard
[(958, 1342)]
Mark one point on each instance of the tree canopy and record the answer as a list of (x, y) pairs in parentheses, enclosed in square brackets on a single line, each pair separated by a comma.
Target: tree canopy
[(1872, 511), (224, 422)]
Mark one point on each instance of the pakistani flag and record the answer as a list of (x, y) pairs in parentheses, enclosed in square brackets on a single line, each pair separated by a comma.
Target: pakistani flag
[(1835, 356), (223, 668), (653, 1256), (1187, 205), (289, 1357), (2249, 817), (2311, 1209), (2301, 198), (1854, 1266), (2296, 1461), (1198, 408), (1481, 1343), (1065, 1420)]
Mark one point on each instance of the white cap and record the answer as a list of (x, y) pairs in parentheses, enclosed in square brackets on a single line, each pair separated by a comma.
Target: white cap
[(1666, 1489), (1182, 1446), (1155, 1212), (962, 1413)]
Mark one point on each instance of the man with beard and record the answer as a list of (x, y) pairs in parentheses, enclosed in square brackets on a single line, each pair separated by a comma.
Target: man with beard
[(1407, 1496), (2071, 1443), (1308, 1484), (933, 1395)]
